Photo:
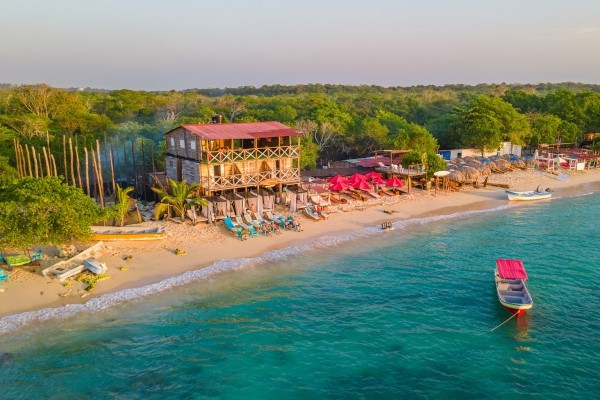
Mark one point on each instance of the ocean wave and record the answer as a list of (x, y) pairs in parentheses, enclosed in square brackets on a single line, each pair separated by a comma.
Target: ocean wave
[(14, 322)]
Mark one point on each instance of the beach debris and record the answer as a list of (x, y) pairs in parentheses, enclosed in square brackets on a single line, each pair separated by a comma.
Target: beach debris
[(128, 257), (390, 212), (179, 252), (123, 268), (63, 294), (90, 279), (85, 295)]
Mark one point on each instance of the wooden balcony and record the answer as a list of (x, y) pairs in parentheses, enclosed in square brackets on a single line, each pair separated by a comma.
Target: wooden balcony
[(241, 155), (246, 180)]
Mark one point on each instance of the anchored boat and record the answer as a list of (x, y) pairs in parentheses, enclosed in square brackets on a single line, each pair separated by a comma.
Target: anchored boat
[(529, 195), (511, 286)]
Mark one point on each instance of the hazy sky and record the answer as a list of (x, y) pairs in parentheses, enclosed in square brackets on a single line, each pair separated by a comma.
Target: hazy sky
[(182, 44)]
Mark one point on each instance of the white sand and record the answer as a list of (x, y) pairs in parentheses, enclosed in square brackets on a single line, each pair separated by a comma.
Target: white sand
[(204, 244)]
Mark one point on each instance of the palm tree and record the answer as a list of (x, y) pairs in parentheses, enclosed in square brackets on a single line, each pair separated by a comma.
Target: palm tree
[(122, 203), (180, 198)]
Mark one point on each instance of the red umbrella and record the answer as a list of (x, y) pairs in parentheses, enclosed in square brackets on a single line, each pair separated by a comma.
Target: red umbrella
[(394, 182), (356, 178), (338, 187), (373, 175), (378, 180), (363, 185), (338, 178)]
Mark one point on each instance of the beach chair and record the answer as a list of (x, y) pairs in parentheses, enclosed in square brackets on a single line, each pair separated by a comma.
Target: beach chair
[(248, 219), (3, 276), (259, 219), (241, 223), (253, 232), (231, 226), (273, 218)]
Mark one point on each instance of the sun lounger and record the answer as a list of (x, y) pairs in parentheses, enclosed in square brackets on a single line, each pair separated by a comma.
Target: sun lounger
[(248, 219), (273, 218), (259, 219), (241, 223), (312, 214), (231, 226)]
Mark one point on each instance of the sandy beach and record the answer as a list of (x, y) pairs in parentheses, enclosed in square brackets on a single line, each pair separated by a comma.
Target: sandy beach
[(152, 261)]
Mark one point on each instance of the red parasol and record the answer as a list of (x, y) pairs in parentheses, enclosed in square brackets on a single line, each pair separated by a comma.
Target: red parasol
[(363, 185), (354, 179), (394, 182), (338, 178), (378, 180), (373, 175), (338, 187)]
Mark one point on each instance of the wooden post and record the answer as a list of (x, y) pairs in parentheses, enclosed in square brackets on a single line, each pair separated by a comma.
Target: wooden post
[(72, 163), (78, 164), (112, 168), (48, 167), (28, 161), (17, 162), (87, 173), (65, 157), (53, 163), (35, 161)]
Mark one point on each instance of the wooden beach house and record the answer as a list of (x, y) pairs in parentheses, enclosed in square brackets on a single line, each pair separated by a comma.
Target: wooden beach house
[(222, 157)]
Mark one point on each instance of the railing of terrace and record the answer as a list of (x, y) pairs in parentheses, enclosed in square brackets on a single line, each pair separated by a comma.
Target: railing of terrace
[(229, 156), (243, 180)]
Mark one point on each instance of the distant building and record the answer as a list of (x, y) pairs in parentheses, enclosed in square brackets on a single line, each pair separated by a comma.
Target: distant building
[(505, 148), (231, 156)]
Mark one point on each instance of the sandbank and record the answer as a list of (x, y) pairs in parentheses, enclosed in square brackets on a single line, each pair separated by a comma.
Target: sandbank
[(153, 261)]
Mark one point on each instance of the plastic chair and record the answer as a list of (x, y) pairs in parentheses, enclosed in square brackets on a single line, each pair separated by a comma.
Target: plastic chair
[(3, 276), (253, 232)]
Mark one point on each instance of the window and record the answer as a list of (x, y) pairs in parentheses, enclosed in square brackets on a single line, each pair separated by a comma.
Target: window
[(193, 145), (182, 143), (172, 141)]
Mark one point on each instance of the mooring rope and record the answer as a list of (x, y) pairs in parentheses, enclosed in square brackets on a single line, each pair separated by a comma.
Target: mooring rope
[(511, 317)]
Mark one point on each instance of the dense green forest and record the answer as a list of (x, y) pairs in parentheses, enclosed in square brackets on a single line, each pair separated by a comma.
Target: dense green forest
[(338, 121)]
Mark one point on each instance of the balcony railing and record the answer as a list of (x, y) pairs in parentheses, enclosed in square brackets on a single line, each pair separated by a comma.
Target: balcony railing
[(243, 180), (240, 155)]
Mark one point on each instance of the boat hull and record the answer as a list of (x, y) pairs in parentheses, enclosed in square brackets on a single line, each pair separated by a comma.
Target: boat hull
[(513, 295), (527, 196), (127, 233)]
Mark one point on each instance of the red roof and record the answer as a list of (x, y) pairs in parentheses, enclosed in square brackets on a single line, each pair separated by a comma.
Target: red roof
[(511, 269), (244, 130)]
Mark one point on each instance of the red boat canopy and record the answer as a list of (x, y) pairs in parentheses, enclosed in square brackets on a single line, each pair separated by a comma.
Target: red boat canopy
[(511, 269)]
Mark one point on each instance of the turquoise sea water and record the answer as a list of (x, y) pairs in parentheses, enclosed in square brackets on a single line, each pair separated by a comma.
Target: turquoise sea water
[(400, 314)]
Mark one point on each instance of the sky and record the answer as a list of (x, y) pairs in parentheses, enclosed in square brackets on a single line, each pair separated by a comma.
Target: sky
[(185, 44)]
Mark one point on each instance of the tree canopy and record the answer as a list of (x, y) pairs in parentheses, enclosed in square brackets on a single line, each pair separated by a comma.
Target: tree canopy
[(44, 211)]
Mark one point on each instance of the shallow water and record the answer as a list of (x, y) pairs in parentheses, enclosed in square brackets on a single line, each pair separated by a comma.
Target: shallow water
[(403, 313)]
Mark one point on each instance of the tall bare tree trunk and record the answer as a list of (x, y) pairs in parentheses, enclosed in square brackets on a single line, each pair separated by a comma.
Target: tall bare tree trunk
[(112, 169), (78, 165), (65, 157), (53, 163), (72, 162), (41, 165), (35, 161), (48, 167), (17, 163), (98, 172), (30, 173), (87, 173)]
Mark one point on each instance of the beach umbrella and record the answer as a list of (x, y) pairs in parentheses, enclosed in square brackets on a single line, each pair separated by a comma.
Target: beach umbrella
[(337, 179), (471, 174), (378, 181), (456, 176), (394, 182), (338, 187), (363, 185), (356, 177), (373, 175)]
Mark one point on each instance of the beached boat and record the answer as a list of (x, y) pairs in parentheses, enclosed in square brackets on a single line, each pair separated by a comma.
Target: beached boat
[(95, 266), (511, 286), (127, 233), (530, 195)]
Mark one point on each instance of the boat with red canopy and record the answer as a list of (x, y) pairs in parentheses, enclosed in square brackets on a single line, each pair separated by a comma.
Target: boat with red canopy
[(511, 286)]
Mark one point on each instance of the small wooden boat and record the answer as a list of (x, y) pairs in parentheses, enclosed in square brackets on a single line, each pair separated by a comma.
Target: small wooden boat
[(512, 291), (530, 195), (95, 266), (127, 233)]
